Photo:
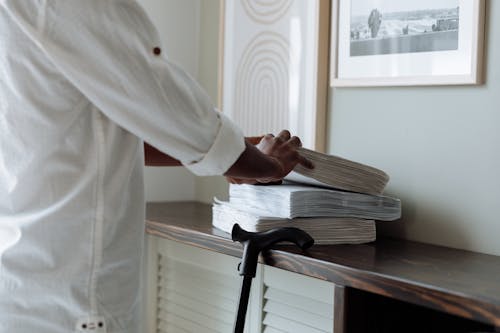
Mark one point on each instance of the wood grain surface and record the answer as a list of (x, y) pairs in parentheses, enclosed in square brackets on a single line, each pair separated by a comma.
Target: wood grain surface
[(456, 282)]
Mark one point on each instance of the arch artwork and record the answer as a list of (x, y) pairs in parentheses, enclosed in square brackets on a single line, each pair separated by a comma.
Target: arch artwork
[(262, 94), (266, 11)]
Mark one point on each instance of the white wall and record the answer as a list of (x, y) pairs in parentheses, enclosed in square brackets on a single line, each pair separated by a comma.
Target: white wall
[(179, 26), (441, 146), (191, 40), (208, 187)]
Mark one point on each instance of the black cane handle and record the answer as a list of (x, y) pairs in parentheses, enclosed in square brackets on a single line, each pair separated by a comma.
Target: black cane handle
[(255, 242)]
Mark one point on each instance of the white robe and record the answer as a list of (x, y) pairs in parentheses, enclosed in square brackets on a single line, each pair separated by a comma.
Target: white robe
[(81, 87)]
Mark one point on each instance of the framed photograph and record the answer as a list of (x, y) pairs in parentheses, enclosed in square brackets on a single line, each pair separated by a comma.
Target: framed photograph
[(398, 43), (274, 67)]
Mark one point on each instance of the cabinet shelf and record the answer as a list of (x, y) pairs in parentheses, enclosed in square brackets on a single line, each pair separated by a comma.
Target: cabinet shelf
[(456, 282)]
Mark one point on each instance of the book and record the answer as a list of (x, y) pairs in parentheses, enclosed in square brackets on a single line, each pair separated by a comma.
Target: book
[(337, 202), (325, 231), (340, 173), (289, 200)]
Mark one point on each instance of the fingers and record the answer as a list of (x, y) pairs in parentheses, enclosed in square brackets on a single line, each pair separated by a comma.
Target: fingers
[(284, 135), (267, 138), (283, 148), (295, 141)]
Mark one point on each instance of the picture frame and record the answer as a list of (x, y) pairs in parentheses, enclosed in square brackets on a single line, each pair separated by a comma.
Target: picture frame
[(425, 42), (274, 67)]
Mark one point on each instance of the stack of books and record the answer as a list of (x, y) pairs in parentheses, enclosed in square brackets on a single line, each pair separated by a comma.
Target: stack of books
[(336, 203)]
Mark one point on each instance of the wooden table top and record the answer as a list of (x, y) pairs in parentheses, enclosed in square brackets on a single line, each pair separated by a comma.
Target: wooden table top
[(458, 282)]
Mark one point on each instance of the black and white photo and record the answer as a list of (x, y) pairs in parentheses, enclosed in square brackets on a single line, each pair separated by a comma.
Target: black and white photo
[(395, 26), (407, 42)]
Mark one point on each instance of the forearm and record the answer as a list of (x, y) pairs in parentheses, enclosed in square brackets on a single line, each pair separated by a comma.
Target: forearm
[(154, 157), (251, 160)]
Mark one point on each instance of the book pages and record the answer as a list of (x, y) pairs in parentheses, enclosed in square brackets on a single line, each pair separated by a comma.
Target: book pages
[(323, 230), (340, 173), (296, 200)]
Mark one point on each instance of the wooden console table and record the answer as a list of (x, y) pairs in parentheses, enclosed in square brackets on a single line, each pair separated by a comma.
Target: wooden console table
[(388, 286)]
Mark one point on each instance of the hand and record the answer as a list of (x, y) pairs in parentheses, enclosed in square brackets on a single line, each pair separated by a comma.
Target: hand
[(282, 149), (279, 155)]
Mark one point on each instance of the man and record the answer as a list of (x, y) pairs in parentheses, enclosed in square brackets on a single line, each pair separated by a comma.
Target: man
[(374, 22), (82, 85)]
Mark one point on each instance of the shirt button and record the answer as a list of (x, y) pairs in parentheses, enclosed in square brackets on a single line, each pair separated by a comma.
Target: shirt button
[(156, 51)]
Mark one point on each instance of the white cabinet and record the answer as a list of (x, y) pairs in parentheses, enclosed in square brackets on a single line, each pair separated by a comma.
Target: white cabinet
[(294, 303), (193, 290)]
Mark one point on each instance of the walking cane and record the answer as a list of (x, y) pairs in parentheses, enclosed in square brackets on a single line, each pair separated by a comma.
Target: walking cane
[(253, 244)]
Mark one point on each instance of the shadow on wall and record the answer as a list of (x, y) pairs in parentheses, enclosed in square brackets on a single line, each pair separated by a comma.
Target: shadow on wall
[(439, 225)]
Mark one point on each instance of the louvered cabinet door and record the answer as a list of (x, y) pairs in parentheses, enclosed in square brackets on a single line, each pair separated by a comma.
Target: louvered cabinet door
[(294, 303), (197, 290)]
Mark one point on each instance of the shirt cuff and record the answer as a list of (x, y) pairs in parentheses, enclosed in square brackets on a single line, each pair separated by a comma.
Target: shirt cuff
[(228, 145)]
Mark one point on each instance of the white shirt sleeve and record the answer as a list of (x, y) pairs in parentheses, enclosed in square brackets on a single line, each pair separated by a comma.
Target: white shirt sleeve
[(111, 52)]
